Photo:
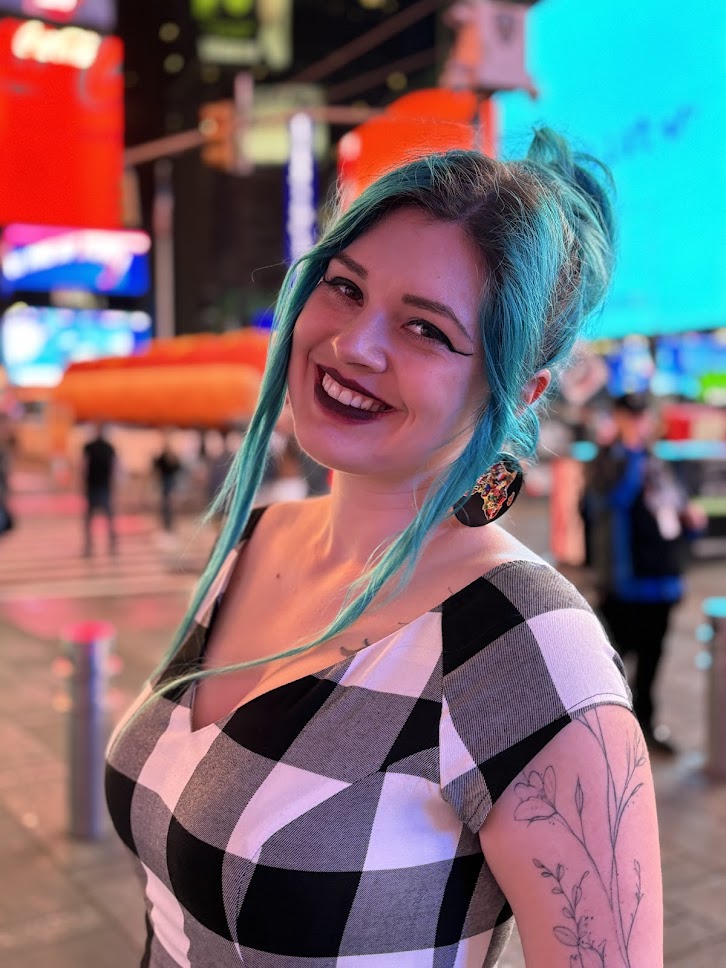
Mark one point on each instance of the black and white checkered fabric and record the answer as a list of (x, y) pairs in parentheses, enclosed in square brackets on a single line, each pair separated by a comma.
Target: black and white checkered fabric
[(333, 822)]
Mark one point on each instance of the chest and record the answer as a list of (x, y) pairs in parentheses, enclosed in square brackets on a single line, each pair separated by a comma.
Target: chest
[(302, 791), (301, 743), (272, 609)]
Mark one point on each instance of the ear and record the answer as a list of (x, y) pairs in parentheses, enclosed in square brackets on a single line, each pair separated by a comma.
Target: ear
[(535, 387)]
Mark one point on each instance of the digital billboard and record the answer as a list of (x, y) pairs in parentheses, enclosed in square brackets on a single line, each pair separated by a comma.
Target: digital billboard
[(244, 32), (38, 343), (690, 364), (61, 125), (99, 14), (642, 87), (39, 258)]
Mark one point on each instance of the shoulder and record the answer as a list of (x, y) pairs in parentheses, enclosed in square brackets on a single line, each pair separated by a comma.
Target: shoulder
[(523, 599), (523, 655), (275, 531), (525, 636), (287, 520)]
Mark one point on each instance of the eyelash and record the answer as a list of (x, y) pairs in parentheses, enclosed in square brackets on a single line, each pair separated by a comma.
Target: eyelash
[(338, 285)]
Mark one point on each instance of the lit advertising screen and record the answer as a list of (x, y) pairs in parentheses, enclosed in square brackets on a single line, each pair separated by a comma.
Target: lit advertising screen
[(99, 14), (61, 125), (244, 32), (689, 363), (39, 343), (40, 258), (642, 87)]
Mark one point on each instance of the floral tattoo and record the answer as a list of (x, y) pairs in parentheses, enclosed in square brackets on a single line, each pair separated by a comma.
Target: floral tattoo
[(538, 802)]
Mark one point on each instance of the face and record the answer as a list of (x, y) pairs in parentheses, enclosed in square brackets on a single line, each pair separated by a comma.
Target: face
[(386, 371), (635, 429)]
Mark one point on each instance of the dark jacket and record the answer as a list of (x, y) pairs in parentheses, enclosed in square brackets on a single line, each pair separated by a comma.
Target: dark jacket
[(632, 508)]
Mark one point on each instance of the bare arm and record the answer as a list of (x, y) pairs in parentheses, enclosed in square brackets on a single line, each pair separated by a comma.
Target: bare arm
[(573, 843)]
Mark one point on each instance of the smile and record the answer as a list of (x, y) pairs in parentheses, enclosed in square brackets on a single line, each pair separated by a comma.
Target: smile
[(344, 401), (348, 398)]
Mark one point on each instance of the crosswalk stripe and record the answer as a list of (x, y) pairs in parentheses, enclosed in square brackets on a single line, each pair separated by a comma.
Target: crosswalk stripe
[(98, 588), (42, 559)]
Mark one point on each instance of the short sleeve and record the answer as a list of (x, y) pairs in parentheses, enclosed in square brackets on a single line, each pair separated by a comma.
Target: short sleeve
[(523, 653)]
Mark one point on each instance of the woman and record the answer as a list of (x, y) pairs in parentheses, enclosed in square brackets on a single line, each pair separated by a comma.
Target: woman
[(442, 738)]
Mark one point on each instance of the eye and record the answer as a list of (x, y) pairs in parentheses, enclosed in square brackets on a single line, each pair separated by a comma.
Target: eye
[(430, 333), (344, 288)]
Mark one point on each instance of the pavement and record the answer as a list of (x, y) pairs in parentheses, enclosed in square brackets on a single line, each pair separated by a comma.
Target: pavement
[(66, 903)]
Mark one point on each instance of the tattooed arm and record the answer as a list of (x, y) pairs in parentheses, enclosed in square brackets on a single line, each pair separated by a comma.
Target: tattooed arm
[(573, 843)]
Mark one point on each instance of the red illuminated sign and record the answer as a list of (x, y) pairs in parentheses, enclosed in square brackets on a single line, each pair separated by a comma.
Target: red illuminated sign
[(61, 125)]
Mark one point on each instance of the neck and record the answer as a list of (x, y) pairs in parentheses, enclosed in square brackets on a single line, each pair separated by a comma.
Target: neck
[(362, 514)]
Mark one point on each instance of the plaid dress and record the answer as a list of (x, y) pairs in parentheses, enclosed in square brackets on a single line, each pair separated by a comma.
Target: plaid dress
[(333, 821)]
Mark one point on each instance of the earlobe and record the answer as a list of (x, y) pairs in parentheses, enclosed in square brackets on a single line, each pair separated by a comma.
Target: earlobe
[(535, 387)]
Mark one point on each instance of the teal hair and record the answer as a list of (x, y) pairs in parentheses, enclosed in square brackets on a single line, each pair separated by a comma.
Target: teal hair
[(543, 227)]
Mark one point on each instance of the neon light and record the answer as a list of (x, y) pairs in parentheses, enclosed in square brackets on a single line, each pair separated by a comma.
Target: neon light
[(72, 46), (95, 14), (57, 6), (113, 252), (301, 220)]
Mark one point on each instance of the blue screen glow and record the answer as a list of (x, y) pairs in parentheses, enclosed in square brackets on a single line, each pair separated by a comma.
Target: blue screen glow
[(39, 343), (642, 86)]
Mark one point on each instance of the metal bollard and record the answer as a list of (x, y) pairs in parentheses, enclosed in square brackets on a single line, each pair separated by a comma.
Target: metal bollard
[(715, 611), (87, 645)]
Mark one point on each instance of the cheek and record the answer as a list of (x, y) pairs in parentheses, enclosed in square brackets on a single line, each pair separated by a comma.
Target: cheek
[(477, 391), (312, 326), (304, 337)]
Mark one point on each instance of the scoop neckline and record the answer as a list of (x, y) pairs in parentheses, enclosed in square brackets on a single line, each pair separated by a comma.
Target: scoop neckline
[(447, 603)]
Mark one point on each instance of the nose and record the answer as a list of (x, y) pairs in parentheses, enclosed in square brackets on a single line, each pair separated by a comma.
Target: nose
[(363, 340)]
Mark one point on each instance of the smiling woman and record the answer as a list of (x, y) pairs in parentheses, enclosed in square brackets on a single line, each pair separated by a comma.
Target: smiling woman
[(386, 341), (383, 731)]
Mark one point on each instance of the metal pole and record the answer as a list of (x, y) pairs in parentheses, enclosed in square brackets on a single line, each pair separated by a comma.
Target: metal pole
[(179, 144), (87, 645), (163, 225), (173, 144), (715, 612)]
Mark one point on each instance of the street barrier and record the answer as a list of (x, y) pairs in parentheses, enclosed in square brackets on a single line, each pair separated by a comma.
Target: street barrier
[(714, 610), (87, 647)]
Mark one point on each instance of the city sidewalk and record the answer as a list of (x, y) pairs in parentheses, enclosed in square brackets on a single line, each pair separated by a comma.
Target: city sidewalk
[(68, 904)]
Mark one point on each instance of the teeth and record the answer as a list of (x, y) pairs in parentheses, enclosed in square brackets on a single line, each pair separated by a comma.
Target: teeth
[(348, 398)]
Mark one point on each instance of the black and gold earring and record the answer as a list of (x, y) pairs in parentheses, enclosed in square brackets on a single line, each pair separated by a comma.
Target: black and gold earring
[(493, 494)]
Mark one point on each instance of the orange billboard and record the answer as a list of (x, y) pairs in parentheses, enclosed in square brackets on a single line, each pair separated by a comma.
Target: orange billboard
[(416, 124)]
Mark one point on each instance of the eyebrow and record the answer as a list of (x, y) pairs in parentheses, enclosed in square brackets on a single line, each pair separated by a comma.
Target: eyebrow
[(420, 302), (352, 264)]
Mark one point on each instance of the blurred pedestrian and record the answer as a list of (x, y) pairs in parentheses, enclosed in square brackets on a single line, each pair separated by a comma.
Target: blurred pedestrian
[(99, 468), (7, 447), (166, 467), (638, 521), (386, 728)]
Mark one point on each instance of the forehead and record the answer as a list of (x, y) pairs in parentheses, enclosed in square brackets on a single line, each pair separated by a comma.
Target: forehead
[(413, 247)]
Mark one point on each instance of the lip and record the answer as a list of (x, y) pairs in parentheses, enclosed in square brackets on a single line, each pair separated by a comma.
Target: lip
[(349, 384)]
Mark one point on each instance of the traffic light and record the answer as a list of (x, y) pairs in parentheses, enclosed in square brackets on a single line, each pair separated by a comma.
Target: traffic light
[(488, 53), (222, 124), (218, 127)]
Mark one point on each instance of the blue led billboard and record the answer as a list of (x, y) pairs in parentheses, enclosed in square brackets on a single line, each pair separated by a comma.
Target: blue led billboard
[(38, 343), (643, 87), (43, 258)]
